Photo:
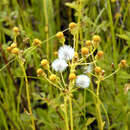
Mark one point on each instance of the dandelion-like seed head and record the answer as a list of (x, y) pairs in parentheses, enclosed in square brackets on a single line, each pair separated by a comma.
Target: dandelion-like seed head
[(66, 52), (83, 81), (88, 69), (59, 65)]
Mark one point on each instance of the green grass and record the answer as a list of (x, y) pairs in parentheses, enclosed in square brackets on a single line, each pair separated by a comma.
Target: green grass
[(20, 86)]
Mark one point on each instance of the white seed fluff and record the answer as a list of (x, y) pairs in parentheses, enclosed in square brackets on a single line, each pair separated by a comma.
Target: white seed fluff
[(88, 69), (66, 52), (83, 81), (59, 65)]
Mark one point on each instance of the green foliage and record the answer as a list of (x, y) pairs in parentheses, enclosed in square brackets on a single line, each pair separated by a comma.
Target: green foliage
[(47, 103)]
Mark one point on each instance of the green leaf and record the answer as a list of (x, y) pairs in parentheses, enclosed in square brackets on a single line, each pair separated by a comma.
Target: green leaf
[(90, 120)]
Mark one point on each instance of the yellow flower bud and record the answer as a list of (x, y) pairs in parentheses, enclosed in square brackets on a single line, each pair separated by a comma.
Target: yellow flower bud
[(60, 35), (9, 49), (98, 70), (36, 42), (113, 1), (84, 51), (72, 76), (55, 53), (53, 77), (123, 63), (96, 39), (16, 30), (15, 51), (99, 54), (13, 45), (40, 72), (88, 43), (45, 63), (72, 25)]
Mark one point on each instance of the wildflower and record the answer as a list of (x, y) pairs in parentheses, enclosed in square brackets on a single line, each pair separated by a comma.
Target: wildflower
[(88, 43), (40, 72), (100, 54), (83, 81), (72, 25), (45, 63), (59, 65), (72, 76), (66, 52), (9, 49), (13, 45), (73, 28), (113, 1), (84, 51), (76, 56), (15, 51), (60, 35), (88, 69), (122, 63), (52, 77), (55, 53), (98, 70), (36, 42), (16, 30), (96, 40)]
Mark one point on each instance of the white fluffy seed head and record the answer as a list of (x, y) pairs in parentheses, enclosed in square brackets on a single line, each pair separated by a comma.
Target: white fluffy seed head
[(59, 65), (83, 81), (88, 69), (66, 52)]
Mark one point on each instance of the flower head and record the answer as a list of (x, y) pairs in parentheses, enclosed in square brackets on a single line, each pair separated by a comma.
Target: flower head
[(88, 69), (66, 52), (59, 65), (83, 81)]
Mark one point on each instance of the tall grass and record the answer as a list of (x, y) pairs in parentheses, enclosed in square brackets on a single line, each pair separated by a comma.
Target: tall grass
[(28, 101)]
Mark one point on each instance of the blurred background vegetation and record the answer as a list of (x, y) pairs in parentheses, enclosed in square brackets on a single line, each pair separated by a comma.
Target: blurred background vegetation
[(42, 19)]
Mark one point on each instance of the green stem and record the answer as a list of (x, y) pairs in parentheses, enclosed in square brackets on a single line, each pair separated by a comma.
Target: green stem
[(112, 31), (46, 27), (100, 123), (27, 92), (66, 116), (71, 113)]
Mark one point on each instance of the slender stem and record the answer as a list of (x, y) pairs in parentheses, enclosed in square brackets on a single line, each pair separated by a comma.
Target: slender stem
[(27, 92), (112, 74), (112, 31), (100, 123), (71, 112), (66, 116), (46, 27), (62, 79)]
